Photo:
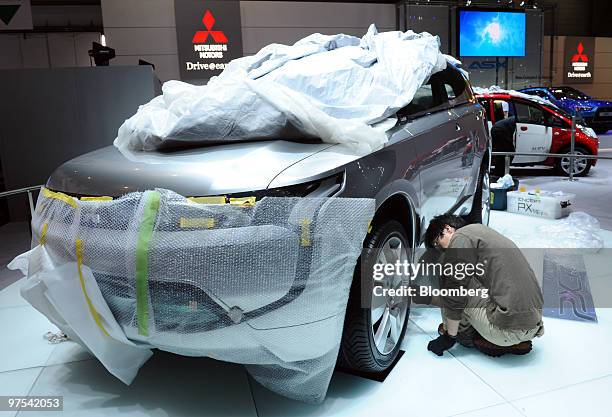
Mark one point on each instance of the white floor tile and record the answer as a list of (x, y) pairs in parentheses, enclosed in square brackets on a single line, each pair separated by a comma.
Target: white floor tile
[(23, 345), (427, 319), (17, 383), (413, 388), (590, 399), (68, 352), (167, 385), (569, 352), (10, 296), (502, 410), (559, 358)]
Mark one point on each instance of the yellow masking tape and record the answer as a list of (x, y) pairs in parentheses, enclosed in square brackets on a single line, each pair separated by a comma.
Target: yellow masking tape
[(305, 238), (198, 223), (60, 196), (101, 198), (92, 309), (243, 201), (209, 200), (43, 233)]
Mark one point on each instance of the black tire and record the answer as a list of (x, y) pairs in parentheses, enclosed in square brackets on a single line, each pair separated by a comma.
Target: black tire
[(358, 350), (476, 214), (583, 172)]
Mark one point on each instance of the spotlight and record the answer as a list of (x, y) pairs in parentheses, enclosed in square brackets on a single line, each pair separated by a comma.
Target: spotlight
[(468, 2), (101, 54), (522, 3)]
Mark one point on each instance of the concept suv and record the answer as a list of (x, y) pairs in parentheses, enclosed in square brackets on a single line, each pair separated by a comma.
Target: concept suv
[(595, 113), (436, 161)]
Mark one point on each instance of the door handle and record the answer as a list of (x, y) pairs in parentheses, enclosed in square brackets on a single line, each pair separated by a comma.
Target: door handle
[(457, 127), (524, 128)]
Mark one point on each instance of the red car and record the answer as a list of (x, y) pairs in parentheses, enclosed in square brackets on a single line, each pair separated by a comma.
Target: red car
[(541, 127)]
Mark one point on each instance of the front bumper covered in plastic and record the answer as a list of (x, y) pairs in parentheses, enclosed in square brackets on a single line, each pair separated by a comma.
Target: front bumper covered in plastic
[(265, 285)]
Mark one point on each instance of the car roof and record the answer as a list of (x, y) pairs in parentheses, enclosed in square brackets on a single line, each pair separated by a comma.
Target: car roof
[(513, 94)]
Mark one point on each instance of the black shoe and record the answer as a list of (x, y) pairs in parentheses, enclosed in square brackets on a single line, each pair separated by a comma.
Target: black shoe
[(495, 351)]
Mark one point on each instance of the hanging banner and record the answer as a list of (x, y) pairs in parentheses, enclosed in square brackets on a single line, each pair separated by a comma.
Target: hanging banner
[(15, 15), (579, 60), (209, 36)]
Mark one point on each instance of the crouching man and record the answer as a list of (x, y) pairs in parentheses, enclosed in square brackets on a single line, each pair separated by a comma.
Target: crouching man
[(510, 316)]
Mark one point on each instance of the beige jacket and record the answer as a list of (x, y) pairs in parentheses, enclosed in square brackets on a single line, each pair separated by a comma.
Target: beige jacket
[(515, 297)]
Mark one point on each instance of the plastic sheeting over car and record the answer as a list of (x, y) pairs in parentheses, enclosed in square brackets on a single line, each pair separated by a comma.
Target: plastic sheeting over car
[(261, 283), (339, 89), (495, 89)]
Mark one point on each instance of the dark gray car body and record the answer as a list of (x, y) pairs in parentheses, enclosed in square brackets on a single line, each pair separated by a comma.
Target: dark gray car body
[(429, 166)]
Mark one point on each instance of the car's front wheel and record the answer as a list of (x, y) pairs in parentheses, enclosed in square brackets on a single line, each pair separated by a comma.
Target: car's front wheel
[(374, 325), (582, 166)]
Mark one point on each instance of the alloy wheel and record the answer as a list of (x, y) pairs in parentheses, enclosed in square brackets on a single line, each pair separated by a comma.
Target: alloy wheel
[(580, 164), (388, 313)]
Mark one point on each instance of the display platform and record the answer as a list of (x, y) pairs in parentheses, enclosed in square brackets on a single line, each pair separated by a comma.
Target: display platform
[(463, 383)]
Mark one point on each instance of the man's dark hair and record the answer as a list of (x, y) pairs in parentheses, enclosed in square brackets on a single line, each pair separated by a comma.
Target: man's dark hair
[(437, 225)]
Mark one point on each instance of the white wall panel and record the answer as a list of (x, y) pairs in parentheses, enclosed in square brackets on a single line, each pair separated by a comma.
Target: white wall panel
[(265, 22), (148, 41), (138, 13), (315, 14), (255, 38), (61, 50), (82, 44), (34, 51)]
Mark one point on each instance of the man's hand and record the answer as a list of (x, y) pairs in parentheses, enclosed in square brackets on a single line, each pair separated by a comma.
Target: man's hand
[(442, 343)]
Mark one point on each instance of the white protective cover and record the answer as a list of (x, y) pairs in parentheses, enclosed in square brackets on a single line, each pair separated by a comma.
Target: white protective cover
[(497, 89), (337, 88), (263, 285)]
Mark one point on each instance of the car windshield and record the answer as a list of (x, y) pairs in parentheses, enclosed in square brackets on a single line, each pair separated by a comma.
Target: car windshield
[(567, 92)]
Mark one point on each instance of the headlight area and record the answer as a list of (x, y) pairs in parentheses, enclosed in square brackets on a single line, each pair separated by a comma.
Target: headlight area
[(324, 187)]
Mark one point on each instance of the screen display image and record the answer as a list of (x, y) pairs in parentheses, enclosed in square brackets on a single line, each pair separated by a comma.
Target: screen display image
[(491, 33)]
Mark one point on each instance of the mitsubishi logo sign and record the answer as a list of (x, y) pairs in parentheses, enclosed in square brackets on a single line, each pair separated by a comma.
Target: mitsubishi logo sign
[(202, 35), (209, 36), (579, 66), (580, 56)]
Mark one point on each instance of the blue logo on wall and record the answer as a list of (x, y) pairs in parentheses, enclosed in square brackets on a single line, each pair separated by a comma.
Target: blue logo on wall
[(485, 65)]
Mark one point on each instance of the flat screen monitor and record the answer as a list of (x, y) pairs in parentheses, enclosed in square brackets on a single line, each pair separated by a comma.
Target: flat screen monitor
[(491, 33)]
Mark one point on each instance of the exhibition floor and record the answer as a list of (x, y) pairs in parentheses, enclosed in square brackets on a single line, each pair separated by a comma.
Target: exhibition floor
[(572, 361)]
